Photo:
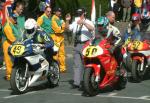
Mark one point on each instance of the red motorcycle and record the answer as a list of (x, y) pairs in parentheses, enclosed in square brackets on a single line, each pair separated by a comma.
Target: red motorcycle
[(139, 52), (100, 68)]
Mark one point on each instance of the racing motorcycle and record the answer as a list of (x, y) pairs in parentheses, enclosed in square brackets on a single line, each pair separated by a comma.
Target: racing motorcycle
[(101, 68), (30, 66), (138, 52)]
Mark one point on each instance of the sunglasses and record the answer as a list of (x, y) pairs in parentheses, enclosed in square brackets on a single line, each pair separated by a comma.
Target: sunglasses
[(48, 11)]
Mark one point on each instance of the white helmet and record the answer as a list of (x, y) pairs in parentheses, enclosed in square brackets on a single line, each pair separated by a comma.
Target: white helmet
[(30, 26)]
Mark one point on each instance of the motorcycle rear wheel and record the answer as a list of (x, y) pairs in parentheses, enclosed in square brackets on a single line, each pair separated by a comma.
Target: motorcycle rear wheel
[(135, 71), (54, 74), (18, 82), (90, 86)]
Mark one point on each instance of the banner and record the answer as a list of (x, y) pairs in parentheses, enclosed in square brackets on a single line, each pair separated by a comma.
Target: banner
[(93, 12), (7, 10)]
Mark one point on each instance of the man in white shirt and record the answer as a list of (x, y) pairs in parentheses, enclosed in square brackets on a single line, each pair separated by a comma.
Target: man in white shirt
[(82, 28)]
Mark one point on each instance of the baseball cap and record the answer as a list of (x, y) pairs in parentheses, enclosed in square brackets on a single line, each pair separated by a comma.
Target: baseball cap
[(80, 11)]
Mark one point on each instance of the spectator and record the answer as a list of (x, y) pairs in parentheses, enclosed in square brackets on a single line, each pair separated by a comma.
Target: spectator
[(11, 34), (133, 30), (126, 4), (117, 9), (44, 21), (111, 4), (58, 26), (145, 16), (83, 29), (111, 16), (146, 9), (20, 18), (138, 5)]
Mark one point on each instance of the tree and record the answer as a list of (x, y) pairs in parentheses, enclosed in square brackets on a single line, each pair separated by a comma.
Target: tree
[(72, 5), (68, 6)]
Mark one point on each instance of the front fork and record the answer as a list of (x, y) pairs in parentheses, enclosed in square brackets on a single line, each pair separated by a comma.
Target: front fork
[(26, 71), (141, 59), (96, 71)]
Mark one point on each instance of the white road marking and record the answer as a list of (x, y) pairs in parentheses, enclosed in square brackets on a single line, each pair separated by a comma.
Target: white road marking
[(112, 94), (123, 97), (147, 98), (12, 96), (4, 90)]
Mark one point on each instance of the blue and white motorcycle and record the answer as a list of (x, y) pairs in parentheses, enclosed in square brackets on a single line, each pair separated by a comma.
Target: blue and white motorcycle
[(30, 66)]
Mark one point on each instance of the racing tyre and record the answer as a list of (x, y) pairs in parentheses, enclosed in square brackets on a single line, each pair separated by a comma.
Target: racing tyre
[(54, 74), (136, 74), (122, 78), (90, 86), (19, 80)]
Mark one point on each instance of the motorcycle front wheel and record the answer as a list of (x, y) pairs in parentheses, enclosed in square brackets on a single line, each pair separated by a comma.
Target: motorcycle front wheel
[(122, 81), (90, 86), (136, 73), (18, 81), (54, 74)]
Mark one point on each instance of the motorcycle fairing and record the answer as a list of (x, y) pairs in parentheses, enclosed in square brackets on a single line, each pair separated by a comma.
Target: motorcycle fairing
[(44, 65), (34, 59)]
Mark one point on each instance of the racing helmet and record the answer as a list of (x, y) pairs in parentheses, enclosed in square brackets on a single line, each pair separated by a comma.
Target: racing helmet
[(145, 14), (102, 24), (30, 26), (135, 16)]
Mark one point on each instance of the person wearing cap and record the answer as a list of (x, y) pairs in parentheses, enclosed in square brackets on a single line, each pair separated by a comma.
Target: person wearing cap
[(83, 29), (133, 30), (11, 34), (44, 21), (20, 18), (58, 26)]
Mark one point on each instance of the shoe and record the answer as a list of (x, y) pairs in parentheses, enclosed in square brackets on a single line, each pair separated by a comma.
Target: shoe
[(81, 88), (63, 71), (7, 78), (75, 86)]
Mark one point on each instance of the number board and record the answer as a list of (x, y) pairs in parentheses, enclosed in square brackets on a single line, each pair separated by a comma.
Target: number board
[(136, 45), (92, 51), (17, 50)]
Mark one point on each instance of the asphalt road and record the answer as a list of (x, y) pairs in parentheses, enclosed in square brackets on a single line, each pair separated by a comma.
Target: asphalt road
[(133, 93)]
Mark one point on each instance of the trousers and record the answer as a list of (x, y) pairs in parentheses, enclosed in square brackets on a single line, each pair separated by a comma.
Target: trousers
[(78, 64)]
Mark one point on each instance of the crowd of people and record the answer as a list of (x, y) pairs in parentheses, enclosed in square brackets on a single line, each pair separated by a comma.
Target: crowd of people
[(14, 26), (127, 7)]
